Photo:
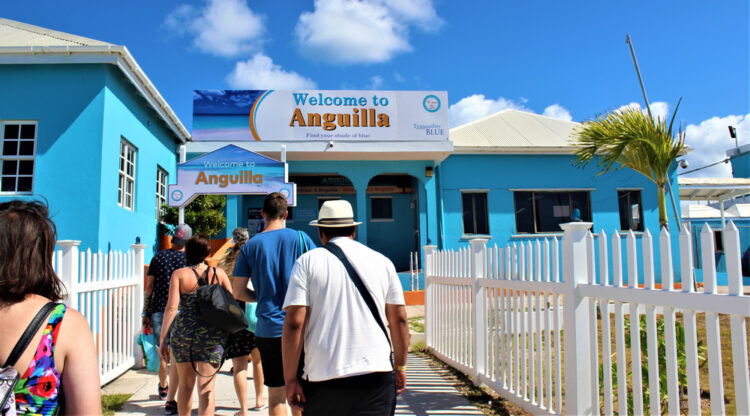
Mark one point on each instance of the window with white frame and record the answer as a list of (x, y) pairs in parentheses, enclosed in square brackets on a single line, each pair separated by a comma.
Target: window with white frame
[(17, 159), (161, 190), (126, 191), (475, 215)]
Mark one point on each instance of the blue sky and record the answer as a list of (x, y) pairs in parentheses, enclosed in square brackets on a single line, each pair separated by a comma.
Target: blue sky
[(562, 59)]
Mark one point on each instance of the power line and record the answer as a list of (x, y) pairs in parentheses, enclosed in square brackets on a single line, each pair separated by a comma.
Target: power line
[(704, 167)]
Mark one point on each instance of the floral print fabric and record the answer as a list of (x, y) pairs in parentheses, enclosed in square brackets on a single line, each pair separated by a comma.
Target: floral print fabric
[(37, 390)]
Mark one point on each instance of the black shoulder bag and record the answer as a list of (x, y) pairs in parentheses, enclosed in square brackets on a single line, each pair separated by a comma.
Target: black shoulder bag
[(8, 374), (216, 306), (336, 251)]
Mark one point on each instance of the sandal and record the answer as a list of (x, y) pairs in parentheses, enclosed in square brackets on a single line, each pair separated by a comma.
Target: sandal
[(259, 408)]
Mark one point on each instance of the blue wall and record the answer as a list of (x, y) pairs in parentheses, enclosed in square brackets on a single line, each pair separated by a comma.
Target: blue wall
[(128, 115), (500, 174), (82, 110)]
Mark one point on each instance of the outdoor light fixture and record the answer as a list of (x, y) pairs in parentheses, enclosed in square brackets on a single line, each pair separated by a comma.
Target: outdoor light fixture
[(428, 171), (683, 163), (732, 132)]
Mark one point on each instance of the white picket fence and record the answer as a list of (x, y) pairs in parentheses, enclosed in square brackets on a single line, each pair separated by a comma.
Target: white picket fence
[(107, 288), (518, 319)]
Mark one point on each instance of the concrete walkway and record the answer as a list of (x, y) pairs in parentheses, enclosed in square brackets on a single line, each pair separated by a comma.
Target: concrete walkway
[(428, 393)]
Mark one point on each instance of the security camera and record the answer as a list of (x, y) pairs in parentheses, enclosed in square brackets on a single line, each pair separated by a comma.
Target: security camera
[(684, 163), (330, 143)]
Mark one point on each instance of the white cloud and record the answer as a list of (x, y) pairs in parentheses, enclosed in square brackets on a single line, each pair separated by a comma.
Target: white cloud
[(260, 73), (477, 106), (376, 82), (362, 31), (710, 140), (558, 111), (222, 27), (659, 109)]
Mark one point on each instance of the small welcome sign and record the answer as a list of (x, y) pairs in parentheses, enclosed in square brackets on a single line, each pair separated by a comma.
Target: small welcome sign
[(230, 170)]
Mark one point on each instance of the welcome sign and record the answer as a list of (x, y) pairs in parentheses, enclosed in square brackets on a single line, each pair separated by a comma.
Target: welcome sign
[(230, 170), (313, 115)]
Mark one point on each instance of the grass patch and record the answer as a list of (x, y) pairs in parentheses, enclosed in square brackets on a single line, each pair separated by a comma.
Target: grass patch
[(416, 324), (113, 402)]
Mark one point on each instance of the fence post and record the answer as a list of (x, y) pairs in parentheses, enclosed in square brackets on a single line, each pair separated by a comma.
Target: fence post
[(479, 311), (427, 263), (576, 321), (69, 271), (138, 264)]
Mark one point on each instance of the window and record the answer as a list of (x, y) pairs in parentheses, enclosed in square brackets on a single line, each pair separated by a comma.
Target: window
[(17, 160), (126, 192), (161, 191), (544, 211), (381, 208), (476, 220), (631, 211)]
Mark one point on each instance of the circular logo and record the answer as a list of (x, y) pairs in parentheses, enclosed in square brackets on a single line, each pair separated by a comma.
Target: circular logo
[(285, 192), (176, 195), (431, 103)]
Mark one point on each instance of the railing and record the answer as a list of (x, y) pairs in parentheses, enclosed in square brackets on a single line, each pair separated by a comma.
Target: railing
[(107, 288), (506, 318)]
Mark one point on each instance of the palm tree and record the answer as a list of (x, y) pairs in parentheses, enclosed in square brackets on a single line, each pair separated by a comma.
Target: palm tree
[(629, 138)]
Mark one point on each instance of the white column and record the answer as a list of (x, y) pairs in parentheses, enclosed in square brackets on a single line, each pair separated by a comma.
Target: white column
[(181, 210), (576, 321), (69, 272), (479, 311), (429, 250)]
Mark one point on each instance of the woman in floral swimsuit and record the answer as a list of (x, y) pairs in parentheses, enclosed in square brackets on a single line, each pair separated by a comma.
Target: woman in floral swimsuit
[(59, 364), (196, 346)]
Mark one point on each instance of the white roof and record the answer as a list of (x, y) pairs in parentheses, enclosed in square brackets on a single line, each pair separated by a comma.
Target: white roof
[(739, 210), (695, 210), (21, 43), (712, 189), (514, 131)]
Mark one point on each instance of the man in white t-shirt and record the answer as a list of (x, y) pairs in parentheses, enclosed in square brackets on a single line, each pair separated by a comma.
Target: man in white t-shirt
[(347, 367)]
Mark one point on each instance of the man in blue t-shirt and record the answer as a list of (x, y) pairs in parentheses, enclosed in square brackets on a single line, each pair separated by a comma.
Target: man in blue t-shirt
[(267, 260)]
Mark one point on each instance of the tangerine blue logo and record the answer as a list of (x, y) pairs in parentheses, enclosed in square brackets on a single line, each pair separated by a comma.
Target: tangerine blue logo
[(176, 195), (431, 103)]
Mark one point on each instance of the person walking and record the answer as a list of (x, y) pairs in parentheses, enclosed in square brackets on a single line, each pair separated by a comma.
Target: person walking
[(156, 293), (339, 298), (241, 345), (197, 346), (267, 260), (61, 348)]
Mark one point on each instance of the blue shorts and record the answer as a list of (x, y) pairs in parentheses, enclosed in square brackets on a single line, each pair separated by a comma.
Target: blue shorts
[(156, 320)]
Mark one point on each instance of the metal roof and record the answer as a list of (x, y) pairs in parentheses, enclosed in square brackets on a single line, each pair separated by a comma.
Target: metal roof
[(14, 33), (22, 43), (514, 131), (712, 189)]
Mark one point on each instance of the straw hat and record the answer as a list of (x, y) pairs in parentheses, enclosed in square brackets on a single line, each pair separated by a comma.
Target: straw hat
[(335, 214)]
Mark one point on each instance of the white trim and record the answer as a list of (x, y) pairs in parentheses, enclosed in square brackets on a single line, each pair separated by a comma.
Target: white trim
[(110, 54), (19, 158), (124, 178)]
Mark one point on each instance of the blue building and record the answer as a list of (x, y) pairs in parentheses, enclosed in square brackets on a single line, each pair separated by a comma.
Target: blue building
[(508, 177), (83, 127)]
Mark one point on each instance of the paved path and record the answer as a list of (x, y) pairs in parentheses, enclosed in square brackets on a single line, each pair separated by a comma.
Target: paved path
[(427, 393)]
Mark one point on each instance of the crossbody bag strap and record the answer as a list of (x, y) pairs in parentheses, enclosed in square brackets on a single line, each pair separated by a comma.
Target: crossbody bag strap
[(29, 333), (336, 251)]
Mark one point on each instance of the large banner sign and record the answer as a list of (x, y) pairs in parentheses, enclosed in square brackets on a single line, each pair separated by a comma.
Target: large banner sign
[(230, 170), (311, 115)]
